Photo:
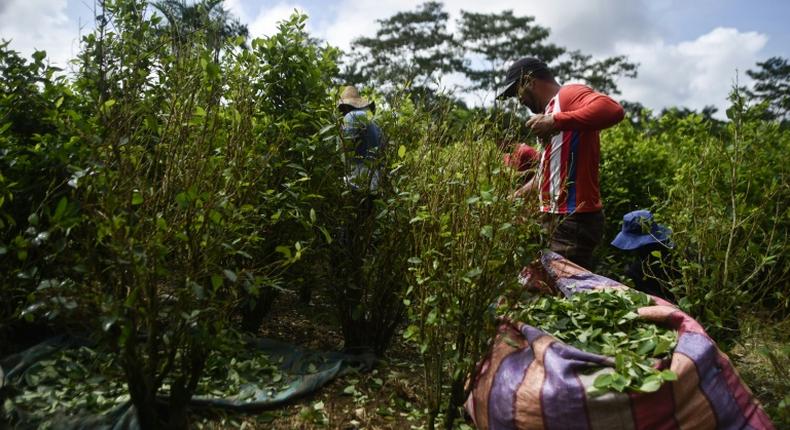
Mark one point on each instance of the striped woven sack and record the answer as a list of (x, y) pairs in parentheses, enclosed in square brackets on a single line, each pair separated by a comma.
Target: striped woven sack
[(531, 380)]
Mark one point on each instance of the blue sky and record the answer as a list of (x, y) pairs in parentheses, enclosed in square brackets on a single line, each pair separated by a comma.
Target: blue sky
[(690, 18), (688, 51)]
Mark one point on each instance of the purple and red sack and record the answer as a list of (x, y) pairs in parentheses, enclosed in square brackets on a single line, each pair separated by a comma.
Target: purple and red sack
[(531, 380)]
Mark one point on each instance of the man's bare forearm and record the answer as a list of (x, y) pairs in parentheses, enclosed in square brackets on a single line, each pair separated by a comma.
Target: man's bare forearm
[(528, 188)]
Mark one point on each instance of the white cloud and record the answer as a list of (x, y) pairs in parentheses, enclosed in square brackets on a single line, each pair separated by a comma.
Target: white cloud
[(40, 25), (267, 18), (594, 26), (236, 7), (353, 19), (693, 73)]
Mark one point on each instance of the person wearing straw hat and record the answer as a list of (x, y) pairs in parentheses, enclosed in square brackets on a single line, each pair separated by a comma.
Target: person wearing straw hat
[(567, 120), (648, 242), (363, 140), (362, 152)]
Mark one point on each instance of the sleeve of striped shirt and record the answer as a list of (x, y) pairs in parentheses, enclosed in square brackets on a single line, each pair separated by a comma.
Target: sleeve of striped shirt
[(585, 110)]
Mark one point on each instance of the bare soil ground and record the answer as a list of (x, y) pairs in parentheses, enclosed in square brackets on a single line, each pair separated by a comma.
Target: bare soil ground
[(389, 397), (385, 398)]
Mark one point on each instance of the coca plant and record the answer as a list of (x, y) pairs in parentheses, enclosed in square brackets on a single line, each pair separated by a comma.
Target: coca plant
[(285, 82), (470, 240), (369, 245), (193, 194), (730, 224), (38, 109)]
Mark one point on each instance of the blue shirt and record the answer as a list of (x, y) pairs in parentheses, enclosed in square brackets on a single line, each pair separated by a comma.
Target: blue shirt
[(365, 135)]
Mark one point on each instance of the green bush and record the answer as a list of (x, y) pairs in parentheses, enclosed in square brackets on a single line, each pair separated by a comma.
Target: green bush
[(722, 188), (167, 192), (635, 171), (470, 241), (727, 206), (193, 192), (368, 252), (38, 158), (285, 82)]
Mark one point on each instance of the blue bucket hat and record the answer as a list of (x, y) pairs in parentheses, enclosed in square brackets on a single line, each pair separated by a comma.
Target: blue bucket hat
[(639, 229)]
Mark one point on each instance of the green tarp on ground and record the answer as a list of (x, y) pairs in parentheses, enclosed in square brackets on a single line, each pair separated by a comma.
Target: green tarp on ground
[(305, 371)]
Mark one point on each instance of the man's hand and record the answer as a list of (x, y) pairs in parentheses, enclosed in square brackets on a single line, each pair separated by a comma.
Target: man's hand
[(519, 193), (528, 188), (542, 125)]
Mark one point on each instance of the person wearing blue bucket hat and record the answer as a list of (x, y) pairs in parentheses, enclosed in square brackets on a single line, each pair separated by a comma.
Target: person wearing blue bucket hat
[(639, 229), (649, 243)]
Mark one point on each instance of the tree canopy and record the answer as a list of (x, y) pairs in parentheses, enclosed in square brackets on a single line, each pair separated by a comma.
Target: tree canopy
[(499, 39), (207, 17), (416, 47), (772, 85), (409, 47)]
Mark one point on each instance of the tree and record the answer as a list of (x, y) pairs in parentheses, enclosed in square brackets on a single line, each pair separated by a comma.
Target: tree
[(599, 74), (772, 86), (636, 113), (205, 16), (501, 38), (409, 47), (415, 47)]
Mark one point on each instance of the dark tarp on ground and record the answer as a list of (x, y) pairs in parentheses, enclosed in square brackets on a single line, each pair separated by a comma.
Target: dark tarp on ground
[(294, 360)]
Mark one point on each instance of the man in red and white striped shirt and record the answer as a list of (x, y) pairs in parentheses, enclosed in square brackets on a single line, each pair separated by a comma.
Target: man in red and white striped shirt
[(567, 122)]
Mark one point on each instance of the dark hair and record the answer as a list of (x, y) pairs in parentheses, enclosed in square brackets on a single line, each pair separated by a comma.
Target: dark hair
[(543, 74), (527, 66), (346, 108)]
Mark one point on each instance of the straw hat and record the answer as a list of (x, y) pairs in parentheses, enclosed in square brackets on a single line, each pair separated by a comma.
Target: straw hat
[(351, 97)]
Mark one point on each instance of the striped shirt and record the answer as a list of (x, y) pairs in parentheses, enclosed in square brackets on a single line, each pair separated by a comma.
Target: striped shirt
[(568, 173)]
